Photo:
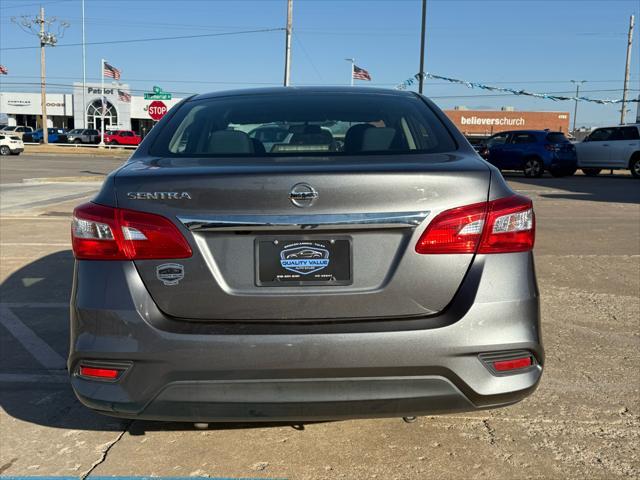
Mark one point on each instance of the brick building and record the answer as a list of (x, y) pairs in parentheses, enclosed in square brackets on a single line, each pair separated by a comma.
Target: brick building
[(488, 122)]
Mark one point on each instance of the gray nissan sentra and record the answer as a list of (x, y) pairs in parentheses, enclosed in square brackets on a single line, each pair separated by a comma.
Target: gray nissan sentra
[(303, 254)]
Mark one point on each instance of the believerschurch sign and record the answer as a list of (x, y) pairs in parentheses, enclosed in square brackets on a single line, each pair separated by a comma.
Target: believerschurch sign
[(492, 121), (487, 122)]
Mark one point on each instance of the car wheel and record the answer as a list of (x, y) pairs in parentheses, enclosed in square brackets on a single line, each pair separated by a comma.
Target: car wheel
[(533, 167), (77, 141), (4, 150), (591, 172), (635, 166), (113, 142)]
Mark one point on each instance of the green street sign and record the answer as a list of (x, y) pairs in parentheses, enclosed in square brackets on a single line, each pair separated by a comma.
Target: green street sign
[(157, 94)]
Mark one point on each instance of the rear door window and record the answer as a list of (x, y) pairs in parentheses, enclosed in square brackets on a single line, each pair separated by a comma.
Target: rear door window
[(301, 125), (497, 140), (630, 133), (556, 137), (519, 138)]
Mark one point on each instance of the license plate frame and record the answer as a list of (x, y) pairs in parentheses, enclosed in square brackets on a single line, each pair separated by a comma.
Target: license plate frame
[(303, 253)]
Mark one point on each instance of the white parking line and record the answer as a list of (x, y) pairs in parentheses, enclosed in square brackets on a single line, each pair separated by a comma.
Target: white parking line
[(41, 351)]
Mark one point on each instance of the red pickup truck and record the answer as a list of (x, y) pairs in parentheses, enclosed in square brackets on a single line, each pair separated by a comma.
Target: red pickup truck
[(122, 137)]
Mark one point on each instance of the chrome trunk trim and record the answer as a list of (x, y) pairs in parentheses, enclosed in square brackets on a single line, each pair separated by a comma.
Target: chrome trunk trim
[(304, 222)]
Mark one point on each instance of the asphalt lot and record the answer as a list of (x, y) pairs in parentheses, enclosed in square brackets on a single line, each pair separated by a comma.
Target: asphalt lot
[(583, 422)]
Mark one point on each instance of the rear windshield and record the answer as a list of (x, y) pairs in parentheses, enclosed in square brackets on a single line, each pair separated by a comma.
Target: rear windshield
[(295, 125), (557, 137)]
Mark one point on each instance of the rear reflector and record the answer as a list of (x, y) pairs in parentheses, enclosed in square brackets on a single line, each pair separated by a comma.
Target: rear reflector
[(107, 233), (513, 364), (102, 373), (499, 226)]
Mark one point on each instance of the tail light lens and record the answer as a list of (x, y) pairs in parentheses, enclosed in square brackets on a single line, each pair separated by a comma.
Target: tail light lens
[(106, 233), (500, 226), (551, 147)]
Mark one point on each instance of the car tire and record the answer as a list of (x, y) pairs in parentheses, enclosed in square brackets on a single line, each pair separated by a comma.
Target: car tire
[(4, 150), (533, 167), (113, 142), (634, 166), (77, 141), (591, 172)]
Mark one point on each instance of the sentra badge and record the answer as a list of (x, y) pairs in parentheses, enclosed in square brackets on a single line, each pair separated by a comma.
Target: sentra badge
[(304, 258), (158, 195)]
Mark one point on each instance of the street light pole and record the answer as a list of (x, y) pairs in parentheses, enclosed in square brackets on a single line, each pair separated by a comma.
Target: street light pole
[(575, 107), (422, 39), (623, 110), (287, 54)]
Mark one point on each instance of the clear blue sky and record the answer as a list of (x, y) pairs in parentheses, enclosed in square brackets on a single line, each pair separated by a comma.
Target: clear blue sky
[(535, 45)]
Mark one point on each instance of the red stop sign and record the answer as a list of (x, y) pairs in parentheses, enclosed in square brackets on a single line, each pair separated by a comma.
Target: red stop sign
[(157, 109)]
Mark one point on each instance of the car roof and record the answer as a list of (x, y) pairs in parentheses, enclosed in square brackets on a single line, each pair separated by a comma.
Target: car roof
[(302, 91)]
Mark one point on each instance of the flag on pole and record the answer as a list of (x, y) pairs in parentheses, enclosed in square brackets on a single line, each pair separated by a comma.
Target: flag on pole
[(124, 96), (361, 73), (111, 71), (4, 70), (104, 106)]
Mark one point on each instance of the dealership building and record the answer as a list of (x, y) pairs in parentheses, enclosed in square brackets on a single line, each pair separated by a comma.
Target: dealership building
[(81, 109)]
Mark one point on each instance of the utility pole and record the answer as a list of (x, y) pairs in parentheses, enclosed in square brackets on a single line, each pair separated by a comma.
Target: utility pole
[(84, 74), (43, 76), (40, 26), (575, 107), (623, 110), (422, 38), (287, 54)]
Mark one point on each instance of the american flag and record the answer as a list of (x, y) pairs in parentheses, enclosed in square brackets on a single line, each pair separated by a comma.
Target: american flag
[(111, 71), (4, 70), (360, 73), (124, 96)]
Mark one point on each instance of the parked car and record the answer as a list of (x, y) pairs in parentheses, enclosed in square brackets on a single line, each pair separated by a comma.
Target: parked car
[(532, 152), (10, 144), (80, 135), (17, 130), (122, 137), (216, 281), (54, 135), (610, 148)]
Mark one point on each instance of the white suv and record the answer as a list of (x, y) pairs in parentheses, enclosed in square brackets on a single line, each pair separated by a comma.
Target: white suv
[(610, 148), (10, 144)]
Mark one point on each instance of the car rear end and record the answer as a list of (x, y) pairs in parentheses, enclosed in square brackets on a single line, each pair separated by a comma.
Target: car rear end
[(561, 154), (11, 143), (386, 274)]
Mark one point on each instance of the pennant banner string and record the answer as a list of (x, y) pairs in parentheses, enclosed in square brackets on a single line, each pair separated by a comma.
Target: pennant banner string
[(548, 96)]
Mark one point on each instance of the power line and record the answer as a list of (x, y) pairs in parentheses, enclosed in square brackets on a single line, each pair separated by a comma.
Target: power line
[(156, 39)]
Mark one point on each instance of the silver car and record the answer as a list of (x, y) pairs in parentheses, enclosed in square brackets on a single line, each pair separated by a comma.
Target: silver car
[(83, 135), (388, 274)]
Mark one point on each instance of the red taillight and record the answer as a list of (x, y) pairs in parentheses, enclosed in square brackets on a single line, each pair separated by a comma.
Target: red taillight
[(103, 373), (500, 226), (513, 364), (106, 233)]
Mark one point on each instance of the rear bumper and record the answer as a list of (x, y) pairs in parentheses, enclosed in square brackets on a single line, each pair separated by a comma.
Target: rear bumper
[(243, 376)]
